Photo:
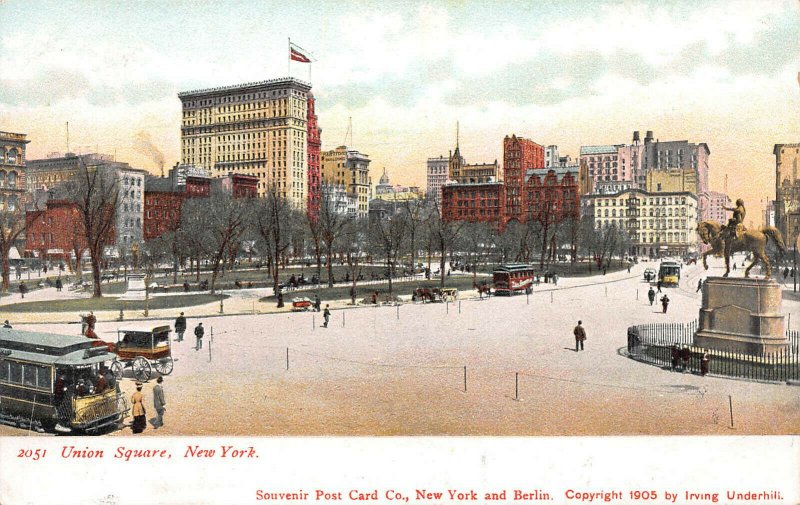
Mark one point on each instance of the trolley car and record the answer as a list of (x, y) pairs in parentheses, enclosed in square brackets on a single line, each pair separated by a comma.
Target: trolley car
[(143, 348), (57, 382), (669, 273), (512, 278)]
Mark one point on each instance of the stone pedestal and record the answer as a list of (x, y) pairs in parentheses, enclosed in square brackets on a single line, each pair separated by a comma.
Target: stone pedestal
[(741, 315), (137, 290)]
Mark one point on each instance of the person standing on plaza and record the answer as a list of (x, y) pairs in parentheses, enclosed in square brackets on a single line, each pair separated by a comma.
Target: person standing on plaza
[(675, 356), (91, 321), (699, 285), (138, 411), (651, 295), (180, 327), (664, 303), (23, 289), (198, 333), (326, 315), (658, 285), (159, 402), (704, 364), (580, 336), (317, 303), (59, 285)]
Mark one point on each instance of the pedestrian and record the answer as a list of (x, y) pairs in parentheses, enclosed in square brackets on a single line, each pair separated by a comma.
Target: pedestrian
[(23, 289), (159, 402), (198, 333), (664, 303), (555, 279), (686, 355), (651, 295), (326, 315), (658, 285), (59, 285), (604, 270), (83, 324), (280, 299), (704, 364), (734, 265), (317, 302), (580, 336), (138, 410), (699, 285), (91, 321), (6, 324), (180, 327), (629, 268), (675, 356)]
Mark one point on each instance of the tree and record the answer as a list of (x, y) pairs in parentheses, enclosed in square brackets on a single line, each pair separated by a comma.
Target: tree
[(13, 223), (414, 211), (225, 219), (354, 242), (388, 236), (94, 191), (273, 218), (443, 234), (332, 224)]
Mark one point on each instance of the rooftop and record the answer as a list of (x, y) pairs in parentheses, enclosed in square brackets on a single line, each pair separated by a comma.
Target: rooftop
[(599, 149), (247, 86)]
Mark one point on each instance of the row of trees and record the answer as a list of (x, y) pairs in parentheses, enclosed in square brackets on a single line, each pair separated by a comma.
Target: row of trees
[(215, 231)]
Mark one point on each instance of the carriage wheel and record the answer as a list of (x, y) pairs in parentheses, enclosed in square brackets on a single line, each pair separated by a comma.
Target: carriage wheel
[(164, 366), (116, 369), (142, 369)]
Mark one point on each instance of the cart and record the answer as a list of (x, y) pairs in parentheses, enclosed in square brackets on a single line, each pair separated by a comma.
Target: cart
[(143, 348), (448, 294), (302, 304)]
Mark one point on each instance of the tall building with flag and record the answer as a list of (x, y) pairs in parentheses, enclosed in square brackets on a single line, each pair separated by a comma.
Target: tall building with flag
[(257, 128)]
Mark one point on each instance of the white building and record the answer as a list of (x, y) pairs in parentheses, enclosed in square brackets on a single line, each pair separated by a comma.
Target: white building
[(437, 177), (659, 224)]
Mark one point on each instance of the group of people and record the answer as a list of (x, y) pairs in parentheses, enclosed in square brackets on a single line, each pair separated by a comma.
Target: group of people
[(651, 295), (140, 413), (180, 329)]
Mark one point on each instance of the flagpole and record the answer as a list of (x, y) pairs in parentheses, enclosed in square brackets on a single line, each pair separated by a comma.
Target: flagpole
[(289, 54)]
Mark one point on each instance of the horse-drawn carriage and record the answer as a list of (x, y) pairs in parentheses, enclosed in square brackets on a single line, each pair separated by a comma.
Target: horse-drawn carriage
[(143, 348), (434, 294)]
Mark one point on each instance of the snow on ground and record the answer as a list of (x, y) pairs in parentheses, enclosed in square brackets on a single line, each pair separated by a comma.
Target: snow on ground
[(371, 373)]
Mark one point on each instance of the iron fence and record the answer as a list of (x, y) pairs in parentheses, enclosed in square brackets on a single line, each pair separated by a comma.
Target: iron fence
[(671, 346)]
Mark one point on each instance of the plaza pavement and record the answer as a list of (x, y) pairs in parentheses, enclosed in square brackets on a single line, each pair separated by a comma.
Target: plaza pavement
[(400, 371)]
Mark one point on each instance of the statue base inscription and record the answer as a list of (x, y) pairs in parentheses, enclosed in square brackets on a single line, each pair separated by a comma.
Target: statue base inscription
[(137, 290), (741, 315)]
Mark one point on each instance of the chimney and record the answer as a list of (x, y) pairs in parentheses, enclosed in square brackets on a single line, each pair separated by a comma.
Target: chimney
[(636, 137), (648, 137)]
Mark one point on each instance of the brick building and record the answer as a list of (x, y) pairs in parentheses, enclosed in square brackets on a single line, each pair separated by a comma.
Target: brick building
[(314, 140), (474, 202), (552, 194), (56, 232), (164, 197), (519, 156)]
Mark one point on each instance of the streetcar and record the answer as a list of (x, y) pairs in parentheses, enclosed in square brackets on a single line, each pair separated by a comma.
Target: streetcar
[(143, 348), (512, 278), (58, 383), (669, 273)]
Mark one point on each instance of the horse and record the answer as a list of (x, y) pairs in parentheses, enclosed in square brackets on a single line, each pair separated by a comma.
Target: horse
[(423, 294), (483, 288), (754, 241)]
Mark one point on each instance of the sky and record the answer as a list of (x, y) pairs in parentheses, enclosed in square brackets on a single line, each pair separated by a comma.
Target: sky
[(568, 73)]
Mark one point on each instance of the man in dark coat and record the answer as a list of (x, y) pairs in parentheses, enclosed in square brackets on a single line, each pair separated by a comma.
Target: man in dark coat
[(317, 303), (159, 402), (327, 316), (198, 333), (675, 356), (651, 295), (180, 327), (580, 336), (664, 303)]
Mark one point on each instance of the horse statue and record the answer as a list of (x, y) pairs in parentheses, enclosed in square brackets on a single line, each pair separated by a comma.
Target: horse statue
[(753, 241)]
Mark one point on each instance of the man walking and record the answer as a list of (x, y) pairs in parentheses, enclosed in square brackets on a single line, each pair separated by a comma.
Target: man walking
[(326, 315), (198, 333), (580, 336), (664, 303), (651, 295), (180, 327), (699, 285), (317, 303), (159, 402), (658, 285)]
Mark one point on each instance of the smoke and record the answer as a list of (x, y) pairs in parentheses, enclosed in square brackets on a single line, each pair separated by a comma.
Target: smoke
[(144, 144)]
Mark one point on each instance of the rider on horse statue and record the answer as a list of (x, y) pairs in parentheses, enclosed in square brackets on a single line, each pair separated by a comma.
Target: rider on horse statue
[(735, 228)]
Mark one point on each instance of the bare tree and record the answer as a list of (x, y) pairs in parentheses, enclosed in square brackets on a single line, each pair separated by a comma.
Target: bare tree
[(273, 219), (94, 191), (443, 234), (354, 243), (332, 223), (13, 223), (414, 211), (388, 236)]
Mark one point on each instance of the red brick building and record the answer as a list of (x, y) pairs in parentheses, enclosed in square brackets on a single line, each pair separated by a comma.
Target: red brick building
[(57, 231), (237, 185), (164, 197), (314, 145), (477, 202), (552, 194), (519, 156)]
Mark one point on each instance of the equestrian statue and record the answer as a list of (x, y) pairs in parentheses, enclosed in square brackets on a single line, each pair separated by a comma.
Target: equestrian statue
[(734, 237)]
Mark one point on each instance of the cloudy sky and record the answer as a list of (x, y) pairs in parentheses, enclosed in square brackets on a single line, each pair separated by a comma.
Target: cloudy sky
[(569, 73)]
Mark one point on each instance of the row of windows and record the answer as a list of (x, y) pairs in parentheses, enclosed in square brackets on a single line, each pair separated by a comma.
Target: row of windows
[(242, 98), (26, 374), (647, 201)]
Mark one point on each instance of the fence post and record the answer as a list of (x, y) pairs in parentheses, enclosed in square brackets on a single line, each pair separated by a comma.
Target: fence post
[(313, 322), (398, 312), (465, 378), (551, 297), (287, 358), (516, 386), (343, 314), (459, 306), (730, 405), (209, 349)]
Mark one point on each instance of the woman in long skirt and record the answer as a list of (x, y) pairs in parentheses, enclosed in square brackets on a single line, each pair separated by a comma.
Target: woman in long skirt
[(139, 416)]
